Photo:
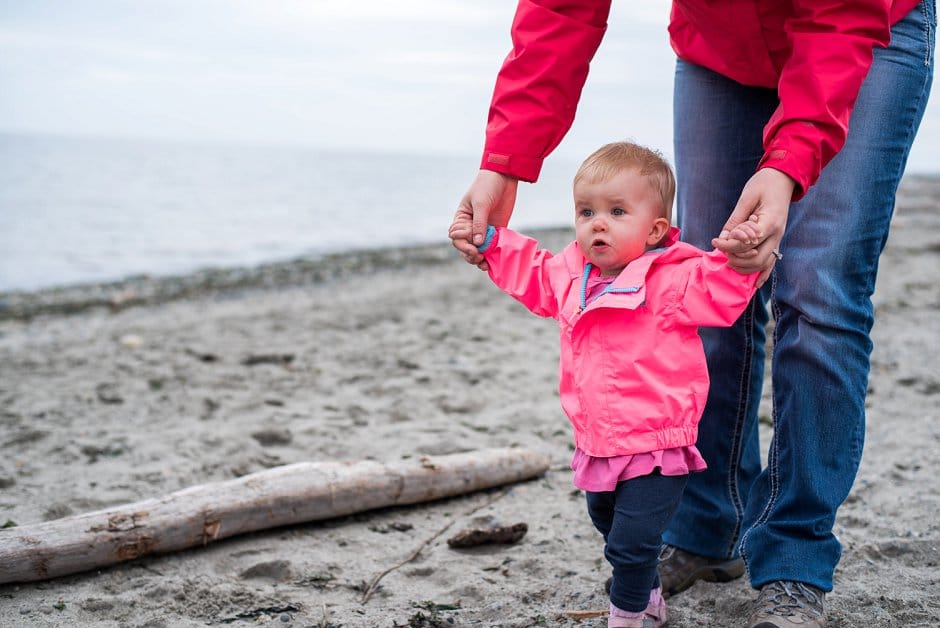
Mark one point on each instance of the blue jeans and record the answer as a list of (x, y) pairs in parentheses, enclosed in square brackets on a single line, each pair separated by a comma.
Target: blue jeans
[(780, 518), (632, 519)]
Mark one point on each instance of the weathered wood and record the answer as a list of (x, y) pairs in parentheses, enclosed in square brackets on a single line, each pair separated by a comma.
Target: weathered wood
[(296, 493)]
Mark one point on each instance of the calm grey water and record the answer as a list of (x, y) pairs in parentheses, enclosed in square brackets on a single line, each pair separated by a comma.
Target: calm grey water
[(76, 210)]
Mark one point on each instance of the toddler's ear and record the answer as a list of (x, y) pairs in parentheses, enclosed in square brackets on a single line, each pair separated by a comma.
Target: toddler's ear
[(657, 232)]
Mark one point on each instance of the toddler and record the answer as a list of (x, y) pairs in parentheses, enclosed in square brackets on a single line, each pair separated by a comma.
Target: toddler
[(629, 299)]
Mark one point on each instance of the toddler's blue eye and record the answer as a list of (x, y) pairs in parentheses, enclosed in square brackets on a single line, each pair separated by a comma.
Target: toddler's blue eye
[(618, 211), (587, 213)]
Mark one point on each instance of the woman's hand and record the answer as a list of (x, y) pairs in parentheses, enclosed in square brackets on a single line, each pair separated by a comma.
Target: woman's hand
[(751, 236), (489, 201)]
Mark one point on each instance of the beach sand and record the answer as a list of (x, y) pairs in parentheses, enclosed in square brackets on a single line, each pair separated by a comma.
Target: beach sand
[(385, 356)]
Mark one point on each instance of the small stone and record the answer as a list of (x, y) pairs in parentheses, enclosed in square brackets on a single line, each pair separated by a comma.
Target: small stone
[(285, 617), (107, 393), (273, 437), (131, 341)]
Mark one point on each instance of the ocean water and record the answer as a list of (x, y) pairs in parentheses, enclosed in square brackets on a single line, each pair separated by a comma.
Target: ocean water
[(80, 210)]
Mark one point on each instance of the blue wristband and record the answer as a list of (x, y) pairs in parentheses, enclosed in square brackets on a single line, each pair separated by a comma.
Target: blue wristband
[(490, 234)]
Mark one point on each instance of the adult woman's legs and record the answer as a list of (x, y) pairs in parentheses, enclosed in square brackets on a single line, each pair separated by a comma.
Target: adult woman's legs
[(718, 129), (782, 519), (822, 307)]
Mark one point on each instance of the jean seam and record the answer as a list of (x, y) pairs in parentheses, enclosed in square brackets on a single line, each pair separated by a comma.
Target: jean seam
[(928, 25), (773, 456), (925, 90), (733, 487)]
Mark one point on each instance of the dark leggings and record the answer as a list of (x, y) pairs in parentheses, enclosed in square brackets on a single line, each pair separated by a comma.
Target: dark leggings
[(632, 519)]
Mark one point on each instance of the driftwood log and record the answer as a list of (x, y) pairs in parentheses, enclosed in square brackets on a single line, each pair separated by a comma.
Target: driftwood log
[(291, 494)]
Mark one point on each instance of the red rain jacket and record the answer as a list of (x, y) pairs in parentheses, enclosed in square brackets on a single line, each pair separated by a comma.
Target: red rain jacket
[(816, 53)]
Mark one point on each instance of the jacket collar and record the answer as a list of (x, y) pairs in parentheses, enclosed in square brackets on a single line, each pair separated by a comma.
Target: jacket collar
[(633, 275), (632, 279)]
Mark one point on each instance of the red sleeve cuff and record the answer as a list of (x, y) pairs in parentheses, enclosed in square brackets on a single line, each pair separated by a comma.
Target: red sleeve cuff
[(518, 166), (787, 163)]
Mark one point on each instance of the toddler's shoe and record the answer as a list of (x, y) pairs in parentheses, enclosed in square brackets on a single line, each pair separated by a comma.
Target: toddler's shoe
[(654, 616)]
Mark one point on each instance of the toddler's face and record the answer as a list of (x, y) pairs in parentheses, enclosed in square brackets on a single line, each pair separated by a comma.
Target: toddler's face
[(617, 220)]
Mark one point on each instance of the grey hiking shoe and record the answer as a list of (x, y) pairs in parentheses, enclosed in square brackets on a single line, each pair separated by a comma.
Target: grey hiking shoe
[(679, 569), (785, 604)]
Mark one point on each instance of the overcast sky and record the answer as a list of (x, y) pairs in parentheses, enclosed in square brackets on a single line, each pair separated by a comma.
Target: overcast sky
[(403, 75)]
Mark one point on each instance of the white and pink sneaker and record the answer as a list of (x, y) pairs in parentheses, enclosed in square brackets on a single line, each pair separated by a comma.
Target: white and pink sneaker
[(654, 615)]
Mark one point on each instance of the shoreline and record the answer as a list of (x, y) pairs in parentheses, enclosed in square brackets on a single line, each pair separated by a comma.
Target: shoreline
[(137, 290), (142, 290)]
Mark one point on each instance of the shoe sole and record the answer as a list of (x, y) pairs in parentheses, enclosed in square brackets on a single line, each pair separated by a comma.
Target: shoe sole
[(723, 572)]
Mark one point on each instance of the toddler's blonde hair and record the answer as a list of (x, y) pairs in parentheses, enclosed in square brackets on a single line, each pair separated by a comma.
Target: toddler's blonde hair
[(616, 157)]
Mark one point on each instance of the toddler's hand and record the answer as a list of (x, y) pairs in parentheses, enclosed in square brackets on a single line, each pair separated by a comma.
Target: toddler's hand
[(461, 228), (460, 233), (747, 233)]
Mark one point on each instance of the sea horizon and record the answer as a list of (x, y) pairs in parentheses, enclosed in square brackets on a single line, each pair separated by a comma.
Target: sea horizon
[(82, 210)]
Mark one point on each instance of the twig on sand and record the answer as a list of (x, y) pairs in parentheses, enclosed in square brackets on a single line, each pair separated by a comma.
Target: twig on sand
[(375, 581), (582, 615)]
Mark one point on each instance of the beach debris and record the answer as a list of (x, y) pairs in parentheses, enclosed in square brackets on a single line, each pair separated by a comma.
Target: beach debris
[(25, 436), (131, 341), (488, 533), (394, 526), (321, 580), (209, 406), (202, 356), (373, 586), (433, 618), (283, 495), (582, 615), (262, 614), (94, 452), (107, 393), (268, 358), (273, 436), (121, 299)]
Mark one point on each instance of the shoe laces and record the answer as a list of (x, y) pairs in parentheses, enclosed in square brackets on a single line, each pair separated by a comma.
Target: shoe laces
[(785, 598)]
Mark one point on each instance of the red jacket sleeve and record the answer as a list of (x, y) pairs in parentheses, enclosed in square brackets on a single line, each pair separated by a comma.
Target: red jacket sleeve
[(538, 87), (831, 46)]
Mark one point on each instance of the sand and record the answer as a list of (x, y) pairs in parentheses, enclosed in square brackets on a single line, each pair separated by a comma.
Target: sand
[(114, 394)]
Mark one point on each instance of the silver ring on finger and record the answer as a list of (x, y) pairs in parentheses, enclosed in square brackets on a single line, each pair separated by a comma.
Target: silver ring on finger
[(777, 254)]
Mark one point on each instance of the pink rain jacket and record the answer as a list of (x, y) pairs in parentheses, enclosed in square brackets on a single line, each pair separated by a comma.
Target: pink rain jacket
[(633, 377), (815, 53)]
